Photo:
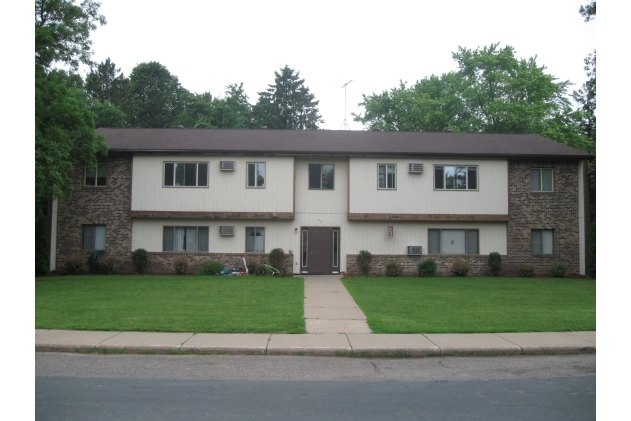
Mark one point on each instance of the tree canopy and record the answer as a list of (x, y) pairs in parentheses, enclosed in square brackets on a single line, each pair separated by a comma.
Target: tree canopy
[(287, 104)]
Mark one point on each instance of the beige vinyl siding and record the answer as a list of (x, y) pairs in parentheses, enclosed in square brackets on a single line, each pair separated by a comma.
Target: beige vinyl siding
[(226, 191), (415, 193), (322, 201)]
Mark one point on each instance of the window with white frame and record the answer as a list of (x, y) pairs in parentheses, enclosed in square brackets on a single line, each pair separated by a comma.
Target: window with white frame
[(541, 179), (96, 177), (256, 174), (321, 176), (93, 237), (455, 177), (386, 176), (255, 239), (186, 174), (453, 241), (542, 241), (189, 239)]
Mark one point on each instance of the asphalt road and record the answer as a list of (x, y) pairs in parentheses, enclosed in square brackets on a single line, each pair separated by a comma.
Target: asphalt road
[(156, 387)]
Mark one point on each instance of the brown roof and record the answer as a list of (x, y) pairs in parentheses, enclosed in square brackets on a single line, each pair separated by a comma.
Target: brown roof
[(336, 142)]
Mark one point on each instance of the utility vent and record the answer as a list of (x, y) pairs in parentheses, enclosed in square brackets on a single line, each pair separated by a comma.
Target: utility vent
[(415, 250), (226, 165), (226, 230), (415, 167)]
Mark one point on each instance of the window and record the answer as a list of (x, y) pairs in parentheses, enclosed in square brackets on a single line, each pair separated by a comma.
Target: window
[(186, 174), (185, 239), (453, 241), (255, 239), (97, 177), (542, 241), (451, 177), (541, 179), (256, 174), (321, 176), (387, 176), (93, 237)]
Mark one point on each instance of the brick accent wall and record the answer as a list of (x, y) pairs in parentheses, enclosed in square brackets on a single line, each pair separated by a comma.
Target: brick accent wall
[(477, 263), (109, 205), (162, 262), (528, 210)]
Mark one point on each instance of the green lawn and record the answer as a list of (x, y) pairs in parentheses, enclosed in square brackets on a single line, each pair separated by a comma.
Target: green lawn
[(170, 303), (463, 305)]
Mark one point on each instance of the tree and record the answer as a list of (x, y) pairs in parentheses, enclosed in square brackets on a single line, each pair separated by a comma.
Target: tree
[(64, 125), (156, 96), (230, 112), (588, 11), (287, 104), (106, 83), (492, 92)]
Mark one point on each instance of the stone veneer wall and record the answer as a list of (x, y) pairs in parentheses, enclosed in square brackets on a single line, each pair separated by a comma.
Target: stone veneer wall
[(109, 206), (162, 262), (528, 210)]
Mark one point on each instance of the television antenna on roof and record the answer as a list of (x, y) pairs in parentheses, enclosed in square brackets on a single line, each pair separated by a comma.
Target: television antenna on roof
[(345, 123)]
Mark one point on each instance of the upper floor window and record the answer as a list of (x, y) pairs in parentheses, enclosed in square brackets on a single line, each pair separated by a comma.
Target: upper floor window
[(93, 237), (187, 239), (256, 174), (453, 241), (453, 177), (541, 179), (96, 177), (186, 174), (321, 176), (542, 241), (387, 176)]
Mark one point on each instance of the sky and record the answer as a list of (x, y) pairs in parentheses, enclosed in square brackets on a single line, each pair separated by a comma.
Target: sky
[(211, 44)]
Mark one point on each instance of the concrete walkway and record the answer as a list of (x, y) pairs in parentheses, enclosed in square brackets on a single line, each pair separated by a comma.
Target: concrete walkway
[(329, 308)]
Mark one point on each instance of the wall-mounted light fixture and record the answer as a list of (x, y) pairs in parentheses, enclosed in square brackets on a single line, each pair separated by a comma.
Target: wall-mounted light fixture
[(295, 229)]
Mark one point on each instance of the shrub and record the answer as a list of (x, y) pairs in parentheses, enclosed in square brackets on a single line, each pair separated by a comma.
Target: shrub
[(180, 264), (527, 270), (427, 268), (75, 264), (277, 258), (363, 260), (252, 264), (558, 269), (393, 268), (460, 267), (495, 263), (140, 257), (211, 267), (110, 265)]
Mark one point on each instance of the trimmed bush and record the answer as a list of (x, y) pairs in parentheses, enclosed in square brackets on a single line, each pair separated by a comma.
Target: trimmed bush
[(211, 267), (557, 269), (460, 267), (427, 268), (75, 264), (393, 268), (363, 260), (527, 270), (277, 258), (110, 265), (180, 264), (140, 257), (495, 263), (252, 264)]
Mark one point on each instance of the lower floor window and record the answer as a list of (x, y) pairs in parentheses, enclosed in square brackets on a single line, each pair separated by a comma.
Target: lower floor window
[(453, 241), (255, 239), (542, 241), (185, 239), (93, 237)]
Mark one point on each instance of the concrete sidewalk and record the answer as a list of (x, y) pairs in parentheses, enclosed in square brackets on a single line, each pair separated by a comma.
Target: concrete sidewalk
[(356, 344)]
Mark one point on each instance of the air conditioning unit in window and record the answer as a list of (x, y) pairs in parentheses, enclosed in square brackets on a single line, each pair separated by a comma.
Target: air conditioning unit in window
[(415, 250), (226, 165), (415, 167), (226, 230)]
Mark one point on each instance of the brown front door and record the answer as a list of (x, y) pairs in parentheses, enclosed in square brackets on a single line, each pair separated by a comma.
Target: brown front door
[(320, 250)]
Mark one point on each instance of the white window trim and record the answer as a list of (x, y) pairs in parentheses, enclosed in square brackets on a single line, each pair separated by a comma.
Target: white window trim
[(386, 180), (94, 238), (196, 186), (542, 240), (309, 175), (477, 176), (541, 190), (247, 175), (466, 242), (246, 239), (197, 229)]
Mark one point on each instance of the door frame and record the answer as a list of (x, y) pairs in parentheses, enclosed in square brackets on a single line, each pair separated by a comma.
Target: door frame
[(335, 238)]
